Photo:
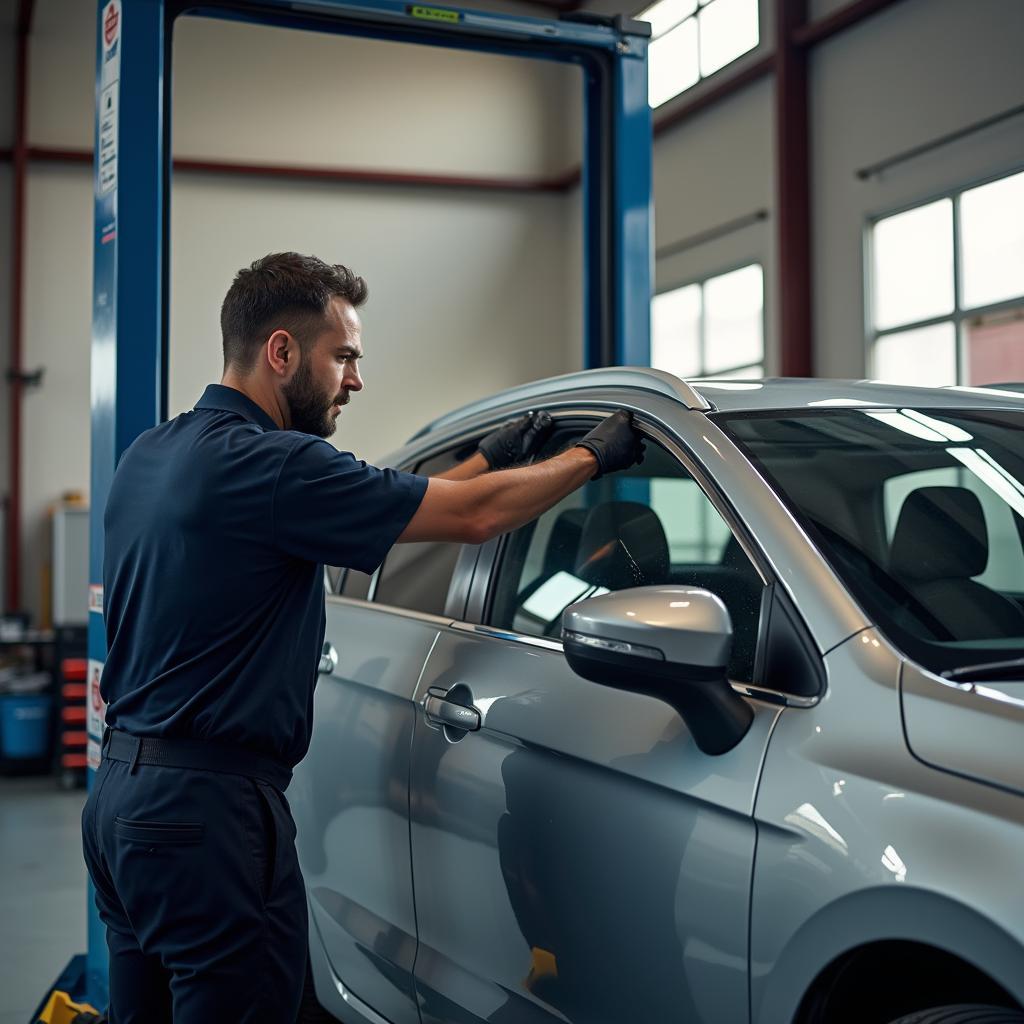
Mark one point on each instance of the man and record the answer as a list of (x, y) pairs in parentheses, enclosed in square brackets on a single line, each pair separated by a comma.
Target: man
[(217, 526)]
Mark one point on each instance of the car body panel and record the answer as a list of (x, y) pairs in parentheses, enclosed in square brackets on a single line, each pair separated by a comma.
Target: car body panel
[(858, 841), (972, 729), (576, 820), (577, 859), (350, 801)]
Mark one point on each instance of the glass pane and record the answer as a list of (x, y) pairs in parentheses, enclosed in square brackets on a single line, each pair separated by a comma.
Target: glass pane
[(675, 331), (672, 63), (942, 574), (666, 15), (913, 265), (992, 225), (728, 28), (417, 576), (926, 356), (995, 348), (733, 319), (651, 524)]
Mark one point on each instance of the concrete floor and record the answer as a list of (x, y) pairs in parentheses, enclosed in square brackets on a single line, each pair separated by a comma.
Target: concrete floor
[(42, 890)]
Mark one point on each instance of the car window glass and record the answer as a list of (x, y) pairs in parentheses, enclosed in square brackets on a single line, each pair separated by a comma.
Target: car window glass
[(649, 525), (1005, 567), (417, 576), (919, 511)]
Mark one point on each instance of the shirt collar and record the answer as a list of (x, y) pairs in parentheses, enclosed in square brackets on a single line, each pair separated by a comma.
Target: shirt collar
[(220, 396)]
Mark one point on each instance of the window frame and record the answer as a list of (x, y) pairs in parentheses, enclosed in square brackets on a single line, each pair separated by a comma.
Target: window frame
[(465, 563), (961, 314), (701, 77), (479, 607), (731, 268)]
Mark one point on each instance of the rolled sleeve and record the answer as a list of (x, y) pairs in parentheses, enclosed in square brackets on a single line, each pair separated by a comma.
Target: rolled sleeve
[(330, 507)]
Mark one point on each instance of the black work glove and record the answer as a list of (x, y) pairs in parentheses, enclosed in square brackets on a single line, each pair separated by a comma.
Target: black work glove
[(615, 442), (516, 440)]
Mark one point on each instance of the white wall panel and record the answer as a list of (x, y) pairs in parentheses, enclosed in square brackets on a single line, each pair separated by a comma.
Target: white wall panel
[(58, 301), (252, 93), (911, 74), (6, 198), (468, 292), (713, 169), (331, 100)]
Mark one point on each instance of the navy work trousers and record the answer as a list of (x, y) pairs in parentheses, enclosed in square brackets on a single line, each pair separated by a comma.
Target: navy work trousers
[(198, 883)]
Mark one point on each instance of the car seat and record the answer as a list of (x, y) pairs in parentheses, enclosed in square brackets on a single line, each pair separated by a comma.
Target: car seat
[(940, 543), (622, 544)]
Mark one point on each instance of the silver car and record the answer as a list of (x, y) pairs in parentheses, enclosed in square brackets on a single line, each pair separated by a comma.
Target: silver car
[(736, 735)]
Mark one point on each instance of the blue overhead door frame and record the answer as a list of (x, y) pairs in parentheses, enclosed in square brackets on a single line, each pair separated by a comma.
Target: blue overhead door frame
[(132, 185)]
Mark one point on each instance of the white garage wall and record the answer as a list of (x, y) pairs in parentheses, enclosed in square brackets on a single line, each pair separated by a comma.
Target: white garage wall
[(917, 71), (58, 297), (467, 293), (8, 17), (715, 168), (6, 200), (470, 290)]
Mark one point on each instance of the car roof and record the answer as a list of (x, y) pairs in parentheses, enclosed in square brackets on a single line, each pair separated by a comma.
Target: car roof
[(816, 393), (712, 395)]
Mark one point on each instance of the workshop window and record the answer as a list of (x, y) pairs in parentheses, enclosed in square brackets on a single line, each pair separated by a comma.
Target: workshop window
[(711, 328), (946, 303), (691, 39)]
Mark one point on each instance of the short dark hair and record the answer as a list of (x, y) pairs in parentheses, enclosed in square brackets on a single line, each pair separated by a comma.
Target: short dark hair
[(283, 290)]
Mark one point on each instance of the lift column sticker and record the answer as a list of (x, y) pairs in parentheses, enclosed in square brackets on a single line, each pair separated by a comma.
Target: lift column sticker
[(110, 77), (97, 712)]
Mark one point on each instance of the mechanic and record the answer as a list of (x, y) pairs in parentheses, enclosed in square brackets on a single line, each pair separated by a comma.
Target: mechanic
[(217, 528)]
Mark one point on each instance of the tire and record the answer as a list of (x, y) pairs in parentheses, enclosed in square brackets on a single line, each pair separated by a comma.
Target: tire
[(964, 1013)]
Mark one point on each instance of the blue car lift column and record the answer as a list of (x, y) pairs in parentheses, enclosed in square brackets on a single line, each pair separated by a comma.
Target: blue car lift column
[(132, 184)]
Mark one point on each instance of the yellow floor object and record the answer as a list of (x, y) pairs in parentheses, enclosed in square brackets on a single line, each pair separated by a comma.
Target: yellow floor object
[(60, 1009)]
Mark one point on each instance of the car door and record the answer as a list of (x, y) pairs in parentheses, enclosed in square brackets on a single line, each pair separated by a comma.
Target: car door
[(350, 794), (578, 858)]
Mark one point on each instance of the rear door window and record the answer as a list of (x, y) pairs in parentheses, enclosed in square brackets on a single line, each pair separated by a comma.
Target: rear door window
[(418, 576)]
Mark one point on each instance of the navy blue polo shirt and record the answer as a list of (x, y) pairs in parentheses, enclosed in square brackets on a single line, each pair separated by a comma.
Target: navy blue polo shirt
[(217, 528)]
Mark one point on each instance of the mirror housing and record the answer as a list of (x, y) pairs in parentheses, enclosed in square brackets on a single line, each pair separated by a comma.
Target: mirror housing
[(668, 642)]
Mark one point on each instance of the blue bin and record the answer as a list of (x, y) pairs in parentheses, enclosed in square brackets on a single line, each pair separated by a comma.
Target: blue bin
[(24, 725)]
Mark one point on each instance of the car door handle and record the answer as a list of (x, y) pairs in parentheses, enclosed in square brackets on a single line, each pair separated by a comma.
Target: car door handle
[(455, 716), (328, 660)]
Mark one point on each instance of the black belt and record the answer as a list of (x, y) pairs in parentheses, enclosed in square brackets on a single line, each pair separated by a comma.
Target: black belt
[(122, 746)]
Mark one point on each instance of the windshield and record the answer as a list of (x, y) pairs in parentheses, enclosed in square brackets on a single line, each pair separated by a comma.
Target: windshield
[(920, 511)]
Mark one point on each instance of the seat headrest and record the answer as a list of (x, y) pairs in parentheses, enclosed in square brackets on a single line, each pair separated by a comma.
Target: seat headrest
[(623, 544), (940, 534)]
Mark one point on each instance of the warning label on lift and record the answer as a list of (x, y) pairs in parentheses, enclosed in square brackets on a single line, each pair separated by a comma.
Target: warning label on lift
[(434, 14), (108, 138), (110, 75), (96, 713)]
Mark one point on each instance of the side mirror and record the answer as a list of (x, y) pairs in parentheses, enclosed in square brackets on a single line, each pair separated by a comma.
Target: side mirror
[(671, 643)]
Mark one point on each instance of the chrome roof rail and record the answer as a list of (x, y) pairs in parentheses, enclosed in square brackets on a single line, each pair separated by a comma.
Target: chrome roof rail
[(640, 378)]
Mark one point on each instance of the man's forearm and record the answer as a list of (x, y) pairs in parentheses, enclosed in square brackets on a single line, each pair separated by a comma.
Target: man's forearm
[(509, 498), (468, 469)]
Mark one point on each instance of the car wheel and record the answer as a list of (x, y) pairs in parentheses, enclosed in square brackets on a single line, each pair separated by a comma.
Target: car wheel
[(963, 1014)]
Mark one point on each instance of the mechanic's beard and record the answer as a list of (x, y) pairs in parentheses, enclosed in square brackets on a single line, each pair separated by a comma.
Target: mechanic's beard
[(310, 409)]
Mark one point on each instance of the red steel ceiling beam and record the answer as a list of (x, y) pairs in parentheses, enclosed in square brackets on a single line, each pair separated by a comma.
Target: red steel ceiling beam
[(344, 175), (19, 157)]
